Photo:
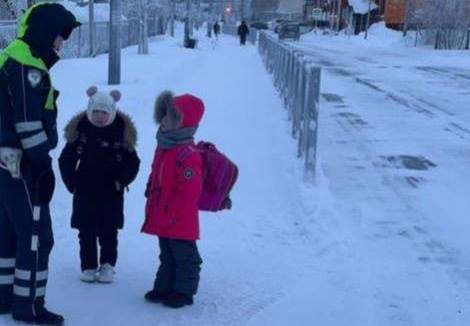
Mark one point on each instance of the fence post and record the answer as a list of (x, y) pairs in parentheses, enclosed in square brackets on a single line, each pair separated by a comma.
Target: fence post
[(295, 90), (302, 108), (298, 83), (79, 37), (290, 73), (283, 73), (304, 126), (291, 83), (299, 95), (313, 110)]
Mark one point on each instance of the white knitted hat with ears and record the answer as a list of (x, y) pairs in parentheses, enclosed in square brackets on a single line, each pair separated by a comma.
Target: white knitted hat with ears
[(102, 101)]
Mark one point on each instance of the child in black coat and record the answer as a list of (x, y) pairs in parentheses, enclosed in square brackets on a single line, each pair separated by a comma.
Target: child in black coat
[(97, 164)]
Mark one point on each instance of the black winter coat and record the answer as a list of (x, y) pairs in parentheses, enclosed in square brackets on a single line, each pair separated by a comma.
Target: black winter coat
[(243, 30), (96, 165)]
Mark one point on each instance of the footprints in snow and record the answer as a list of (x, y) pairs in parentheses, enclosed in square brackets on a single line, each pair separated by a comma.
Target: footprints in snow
[(431, 250)]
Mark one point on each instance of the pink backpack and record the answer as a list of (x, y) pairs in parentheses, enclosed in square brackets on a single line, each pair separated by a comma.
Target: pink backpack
[(219, 177)]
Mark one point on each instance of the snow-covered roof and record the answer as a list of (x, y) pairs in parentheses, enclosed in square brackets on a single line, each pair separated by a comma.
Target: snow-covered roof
[(362, 6)]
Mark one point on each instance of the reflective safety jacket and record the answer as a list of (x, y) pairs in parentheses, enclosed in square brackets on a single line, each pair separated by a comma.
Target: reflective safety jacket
[(28, 112)]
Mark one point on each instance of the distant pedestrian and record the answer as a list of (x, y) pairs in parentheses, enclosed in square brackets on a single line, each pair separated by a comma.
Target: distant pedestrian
[(216, 29), (243, 31)]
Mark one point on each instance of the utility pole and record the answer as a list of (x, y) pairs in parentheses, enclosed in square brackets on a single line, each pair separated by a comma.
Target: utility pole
[(368, 19), (407, 17), (186, 22), (172, 18), (242, 9), (92, 27), (340, 15), (234, 18), (143, 47), (198, 14), (114, 67), (210, 18), (467, 46)]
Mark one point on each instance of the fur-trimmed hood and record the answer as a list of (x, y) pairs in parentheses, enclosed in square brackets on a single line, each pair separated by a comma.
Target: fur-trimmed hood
[(164, 105), (71, 132), (184, 111)]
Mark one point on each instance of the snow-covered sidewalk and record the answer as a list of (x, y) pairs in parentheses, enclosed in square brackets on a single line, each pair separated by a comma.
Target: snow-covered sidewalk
[(254, 254)]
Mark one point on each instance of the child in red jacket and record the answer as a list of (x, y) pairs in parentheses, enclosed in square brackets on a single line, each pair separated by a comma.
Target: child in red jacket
[(173, 191)]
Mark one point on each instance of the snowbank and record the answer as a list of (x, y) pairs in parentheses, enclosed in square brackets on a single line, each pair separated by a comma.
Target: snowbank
[(378, 36), (381, 35)]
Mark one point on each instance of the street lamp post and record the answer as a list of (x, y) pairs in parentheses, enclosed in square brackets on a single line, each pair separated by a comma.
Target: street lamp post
[(91, 22), (172, 18), (114, 67), (407, 17), (467, 46), (368, 19), (340, 15), (186, 22)]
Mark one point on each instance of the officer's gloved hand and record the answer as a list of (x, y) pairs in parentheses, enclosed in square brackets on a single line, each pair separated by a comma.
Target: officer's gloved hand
[(10, 158), (44, 189)]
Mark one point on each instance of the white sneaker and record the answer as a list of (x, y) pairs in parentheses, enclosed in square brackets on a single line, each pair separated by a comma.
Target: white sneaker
[(88, 276), (106, 274)]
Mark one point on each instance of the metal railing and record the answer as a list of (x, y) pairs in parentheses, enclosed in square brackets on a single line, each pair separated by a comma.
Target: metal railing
[(231, 29), (298, 82), (78, 45)]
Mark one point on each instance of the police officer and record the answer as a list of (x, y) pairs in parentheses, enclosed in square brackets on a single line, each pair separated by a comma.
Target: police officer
[(27, 133)]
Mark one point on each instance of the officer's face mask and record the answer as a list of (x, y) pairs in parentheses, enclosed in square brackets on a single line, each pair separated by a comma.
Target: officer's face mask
[(58, 43)]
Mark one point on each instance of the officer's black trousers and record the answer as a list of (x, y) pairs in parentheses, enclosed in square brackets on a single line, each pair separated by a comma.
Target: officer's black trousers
[(26, 241)]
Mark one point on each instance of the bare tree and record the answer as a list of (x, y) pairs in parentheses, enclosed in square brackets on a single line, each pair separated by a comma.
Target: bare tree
[(8, 9), (140, 10), (445, 22)]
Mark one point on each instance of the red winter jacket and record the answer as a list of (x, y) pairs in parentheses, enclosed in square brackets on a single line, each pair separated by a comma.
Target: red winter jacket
[(174, 186)]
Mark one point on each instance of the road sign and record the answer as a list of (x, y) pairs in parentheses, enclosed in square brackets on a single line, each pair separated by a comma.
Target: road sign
[(316, 12)]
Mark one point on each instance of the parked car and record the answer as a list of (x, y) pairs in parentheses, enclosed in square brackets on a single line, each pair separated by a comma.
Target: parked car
[(277, 23), (306, 26), (259, 25), (289, 31)]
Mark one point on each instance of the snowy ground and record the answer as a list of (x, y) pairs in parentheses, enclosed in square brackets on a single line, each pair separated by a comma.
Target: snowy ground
[(372, 244), (395, 149)]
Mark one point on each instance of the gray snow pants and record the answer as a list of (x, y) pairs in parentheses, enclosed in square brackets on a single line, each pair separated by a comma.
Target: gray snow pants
[(180, 265)]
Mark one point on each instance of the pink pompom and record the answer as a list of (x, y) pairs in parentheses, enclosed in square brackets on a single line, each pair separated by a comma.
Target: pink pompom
[(116, 95), (92, 91)]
